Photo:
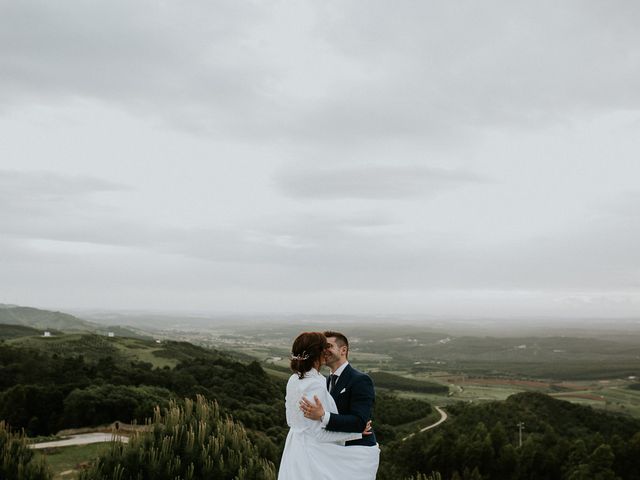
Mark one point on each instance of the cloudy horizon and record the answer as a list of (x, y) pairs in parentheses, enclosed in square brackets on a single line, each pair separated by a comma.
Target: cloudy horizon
[(324, 157)]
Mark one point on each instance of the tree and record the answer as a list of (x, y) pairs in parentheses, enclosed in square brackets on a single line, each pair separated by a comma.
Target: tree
[(34, 407), (17, 460), (102, 404), (597, 467), (422, 476), (185, 442)]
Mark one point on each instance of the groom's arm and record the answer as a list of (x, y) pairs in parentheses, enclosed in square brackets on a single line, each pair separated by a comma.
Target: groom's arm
[(362, 399), (322, 434)]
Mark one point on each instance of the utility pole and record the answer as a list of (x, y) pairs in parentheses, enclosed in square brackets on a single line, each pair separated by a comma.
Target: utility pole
[(520, 426)]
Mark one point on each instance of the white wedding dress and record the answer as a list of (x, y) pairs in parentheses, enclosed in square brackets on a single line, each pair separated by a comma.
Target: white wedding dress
[(313, 453)]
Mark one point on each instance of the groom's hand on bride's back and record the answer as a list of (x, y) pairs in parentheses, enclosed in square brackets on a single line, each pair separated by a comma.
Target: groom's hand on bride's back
[(367, 429), (313, 411)]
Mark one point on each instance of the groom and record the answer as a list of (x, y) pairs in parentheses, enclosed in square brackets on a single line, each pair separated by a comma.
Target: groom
[(352, 391)]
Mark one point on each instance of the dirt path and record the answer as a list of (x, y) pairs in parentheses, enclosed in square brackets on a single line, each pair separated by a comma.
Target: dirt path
[(443, 417), (82, 439)]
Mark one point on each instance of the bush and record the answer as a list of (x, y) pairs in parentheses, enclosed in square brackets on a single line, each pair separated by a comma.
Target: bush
[(33, 407), (189, 442), (394, 410), (422, 476), (17, 460), (101, 404)]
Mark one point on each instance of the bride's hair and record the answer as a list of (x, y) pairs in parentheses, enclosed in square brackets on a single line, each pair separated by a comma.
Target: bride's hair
[(306, 351)]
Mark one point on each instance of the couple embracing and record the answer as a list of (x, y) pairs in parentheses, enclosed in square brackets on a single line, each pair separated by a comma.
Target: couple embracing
[(330, 432)]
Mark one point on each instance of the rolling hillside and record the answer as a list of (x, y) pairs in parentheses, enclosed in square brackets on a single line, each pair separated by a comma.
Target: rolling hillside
[(47, 320), (41, 319)]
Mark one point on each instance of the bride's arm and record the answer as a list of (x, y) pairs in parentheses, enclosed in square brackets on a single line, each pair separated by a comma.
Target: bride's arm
[(326, 436)]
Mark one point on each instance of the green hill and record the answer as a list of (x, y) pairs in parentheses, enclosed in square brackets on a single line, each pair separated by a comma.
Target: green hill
[(42, 319), (16, 331), (93, 347), (83, 380), (560, 441), (46, 320)]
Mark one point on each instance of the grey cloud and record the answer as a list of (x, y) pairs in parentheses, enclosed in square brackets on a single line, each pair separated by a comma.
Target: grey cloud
[(47, 205), (34, 183), (40, 193), (372, 182), (492, 61), (432, 72), (326, 252), (626, 207), (64, 208), (600, 256), (171, 62), (323, 255)]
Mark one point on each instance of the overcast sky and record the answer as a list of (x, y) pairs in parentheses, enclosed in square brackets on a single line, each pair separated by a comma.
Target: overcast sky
[(440, 158)]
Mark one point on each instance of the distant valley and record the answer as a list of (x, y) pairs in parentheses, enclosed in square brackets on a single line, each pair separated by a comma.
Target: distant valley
[(89, 371)]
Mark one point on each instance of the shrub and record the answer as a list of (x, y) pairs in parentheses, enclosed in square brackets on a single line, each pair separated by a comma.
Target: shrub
[(422, 476), (187, 442), (17, 460), (101, 404)]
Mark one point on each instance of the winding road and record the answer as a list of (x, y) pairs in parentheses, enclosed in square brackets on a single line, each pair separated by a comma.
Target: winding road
[(443, 417)]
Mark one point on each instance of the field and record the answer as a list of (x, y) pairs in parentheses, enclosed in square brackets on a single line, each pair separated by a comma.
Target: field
[(593, 370), (94, 347), (66, 462)]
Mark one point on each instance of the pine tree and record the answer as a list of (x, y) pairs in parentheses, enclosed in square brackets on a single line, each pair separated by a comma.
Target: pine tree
[(17, 460), (185, 443), (422, 476)]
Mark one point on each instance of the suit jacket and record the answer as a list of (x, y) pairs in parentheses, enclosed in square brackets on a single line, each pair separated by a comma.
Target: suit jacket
[(354, 396)]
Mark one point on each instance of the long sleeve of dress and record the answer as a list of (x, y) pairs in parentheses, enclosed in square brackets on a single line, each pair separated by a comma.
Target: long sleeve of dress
[(296, 419)]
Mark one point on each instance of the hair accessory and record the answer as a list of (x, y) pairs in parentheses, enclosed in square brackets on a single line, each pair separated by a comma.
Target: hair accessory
[(303, 356)]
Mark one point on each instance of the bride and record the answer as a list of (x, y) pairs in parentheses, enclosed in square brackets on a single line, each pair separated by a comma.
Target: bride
[(310, 451)]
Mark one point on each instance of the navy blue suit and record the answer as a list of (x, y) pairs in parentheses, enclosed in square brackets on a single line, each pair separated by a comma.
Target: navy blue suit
[(354, 395)]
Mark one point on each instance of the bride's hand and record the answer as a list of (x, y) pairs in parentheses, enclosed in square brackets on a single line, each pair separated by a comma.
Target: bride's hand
[(367, 429)]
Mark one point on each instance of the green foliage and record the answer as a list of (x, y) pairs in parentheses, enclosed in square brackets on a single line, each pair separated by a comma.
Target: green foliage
[(17, 331), (396, 382), (598, 466), (562, 441), (393, 410), (35, 408), (73, 457), (101, 404), (422, 476), (44, 393), (17, 460), (191, 442), (43, 319)]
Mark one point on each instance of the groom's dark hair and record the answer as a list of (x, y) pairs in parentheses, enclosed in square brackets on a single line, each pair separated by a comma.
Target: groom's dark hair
[(341, 340)]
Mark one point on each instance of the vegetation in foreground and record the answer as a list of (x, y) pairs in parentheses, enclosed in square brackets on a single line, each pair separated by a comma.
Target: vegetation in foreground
[(17, 460), (194, 441)]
